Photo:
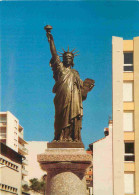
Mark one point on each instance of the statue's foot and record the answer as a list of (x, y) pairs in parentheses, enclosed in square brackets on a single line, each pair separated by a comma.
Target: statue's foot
[(76, 140), (69, 139), (54, 140)]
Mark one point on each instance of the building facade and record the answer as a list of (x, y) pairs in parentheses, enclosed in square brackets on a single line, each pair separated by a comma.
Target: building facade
[(102, 164), (125, 139), (116, 156), (10, 171), (11, 134), (89, 176), (35, 148)]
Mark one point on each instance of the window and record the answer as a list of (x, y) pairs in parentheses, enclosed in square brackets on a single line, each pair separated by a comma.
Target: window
[(15, 145), (8, 164), (128, 121), (129, 183), (15, 134), (129, 151), (8, 188), (15, 121), (128, 61), (128, 91)]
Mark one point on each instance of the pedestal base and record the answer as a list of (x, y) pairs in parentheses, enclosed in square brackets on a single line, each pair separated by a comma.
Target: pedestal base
[(65, 170), (65, 144)]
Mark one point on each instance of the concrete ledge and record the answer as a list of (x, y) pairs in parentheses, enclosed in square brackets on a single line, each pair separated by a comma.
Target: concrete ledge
[(128, 45), (64, 155)]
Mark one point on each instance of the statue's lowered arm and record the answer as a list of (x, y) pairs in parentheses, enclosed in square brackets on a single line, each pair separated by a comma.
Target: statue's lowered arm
[(48, 29)]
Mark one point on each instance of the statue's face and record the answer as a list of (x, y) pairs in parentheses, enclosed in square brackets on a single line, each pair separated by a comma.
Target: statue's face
[(68, 60)]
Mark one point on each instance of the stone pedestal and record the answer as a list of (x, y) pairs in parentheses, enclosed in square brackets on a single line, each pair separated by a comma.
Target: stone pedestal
[(65, 169)]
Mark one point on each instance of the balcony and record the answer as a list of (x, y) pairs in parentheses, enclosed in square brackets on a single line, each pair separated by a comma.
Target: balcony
[(20, 128), (25, 162), (22, 149), (2, 124), (24, 172), (2, 135), (24, 182), (21, 139), (3, 141), (20, 135)]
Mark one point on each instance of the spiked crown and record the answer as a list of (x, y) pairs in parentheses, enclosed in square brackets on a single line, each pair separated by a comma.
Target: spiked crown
[(71, 53)]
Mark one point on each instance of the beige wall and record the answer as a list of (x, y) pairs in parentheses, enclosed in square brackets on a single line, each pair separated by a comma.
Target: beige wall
[(10, 176), (128, 76), (11, 128), (129, 136), (118, 135), (129, 166), (102, 166), (33, 168), (136, 112), (128, 45)]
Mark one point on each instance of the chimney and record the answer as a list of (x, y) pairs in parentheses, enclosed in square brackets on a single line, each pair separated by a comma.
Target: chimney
[(106, 131)]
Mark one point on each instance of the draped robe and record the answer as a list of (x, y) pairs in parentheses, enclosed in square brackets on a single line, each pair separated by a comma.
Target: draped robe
[(68, 97)]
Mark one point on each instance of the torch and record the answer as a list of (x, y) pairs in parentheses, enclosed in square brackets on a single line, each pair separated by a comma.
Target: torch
[(48, 29)]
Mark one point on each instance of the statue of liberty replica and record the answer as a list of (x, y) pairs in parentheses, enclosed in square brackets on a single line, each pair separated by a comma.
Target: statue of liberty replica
[(65, 159), (69, 91)]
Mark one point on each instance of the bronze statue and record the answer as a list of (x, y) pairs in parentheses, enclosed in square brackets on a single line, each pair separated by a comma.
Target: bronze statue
[(70, 91)]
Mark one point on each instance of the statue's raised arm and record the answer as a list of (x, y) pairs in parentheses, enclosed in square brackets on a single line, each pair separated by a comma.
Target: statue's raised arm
[(48, 29)]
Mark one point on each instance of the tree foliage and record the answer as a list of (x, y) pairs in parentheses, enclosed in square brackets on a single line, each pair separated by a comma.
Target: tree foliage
[(35, 185), (25, 188)]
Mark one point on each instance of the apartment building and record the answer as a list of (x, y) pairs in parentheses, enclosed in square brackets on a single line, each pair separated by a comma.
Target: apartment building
[(11, 134), (125, 139), (116, 156), (10, 171)]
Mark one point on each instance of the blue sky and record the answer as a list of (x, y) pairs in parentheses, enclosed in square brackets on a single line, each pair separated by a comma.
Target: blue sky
[(27, 79)]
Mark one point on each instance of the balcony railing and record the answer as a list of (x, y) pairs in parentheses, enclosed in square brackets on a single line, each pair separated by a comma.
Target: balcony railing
[(24, 172), (2, 135), (129, 157), (22, 148), (20, 134)]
